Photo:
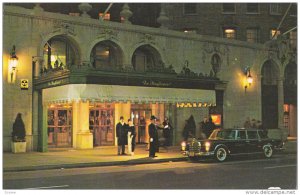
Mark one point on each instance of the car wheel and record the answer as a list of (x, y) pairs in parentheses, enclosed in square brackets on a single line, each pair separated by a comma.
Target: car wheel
[(221, 154), (268, 151)]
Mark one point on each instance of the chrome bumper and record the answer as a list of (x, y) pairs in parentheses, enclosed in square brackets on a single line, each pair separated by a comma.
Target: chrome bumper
[(197, 154)]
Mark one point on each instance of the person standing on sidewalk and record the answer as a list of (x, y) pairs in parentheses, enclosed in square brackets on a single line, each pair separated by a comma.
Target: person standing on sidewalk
[(153, 137), (131, 137), (121, 135)]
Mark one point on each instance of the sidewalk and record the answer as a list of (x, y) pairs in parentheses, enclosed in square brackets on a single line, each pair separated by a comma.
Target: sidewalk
[(100, 156)]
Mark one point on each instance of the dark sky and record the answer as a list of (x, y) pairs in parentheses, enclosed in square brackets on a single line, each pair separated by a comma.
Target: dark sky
[(144, 14)]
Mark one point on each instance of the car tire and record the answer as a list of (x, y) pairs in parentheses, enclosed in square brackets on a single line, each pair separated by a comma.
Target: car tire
[(268, 151), (221, 154)]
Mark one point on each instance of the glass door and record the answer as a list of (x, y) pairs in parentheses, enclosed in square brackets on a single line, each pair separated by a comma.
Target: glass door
[(60, 126), (102, 124), (139, 120)]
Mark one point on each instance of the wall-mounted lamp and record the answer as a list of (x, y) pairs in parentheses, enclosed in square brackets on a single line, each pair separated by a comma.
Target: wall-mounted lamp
[(12, 65), (248, 79)]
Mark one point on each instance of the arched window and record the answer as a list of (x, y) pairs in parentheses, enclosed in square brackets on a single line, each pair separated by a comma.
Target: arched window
[(59, 53), (106, 55), (270, 73), (216, 63), (146, 58)]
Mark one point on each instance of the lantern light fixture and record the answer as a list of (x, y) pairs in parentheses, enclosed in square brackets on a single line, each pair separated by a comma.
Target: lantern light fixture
[(12, 65), (248, 79)]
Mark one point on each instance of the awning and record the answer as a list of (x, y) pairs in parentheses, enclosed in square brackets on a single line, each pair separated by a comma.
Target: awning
[(117, 93)]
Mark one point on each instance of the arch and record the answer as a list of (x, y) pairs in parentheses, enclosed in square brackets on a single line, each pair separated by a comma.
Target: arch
[(159, 50), (106, 54), (72, 40), (146, 57), (270, 75), (97, 41), (270, 72)]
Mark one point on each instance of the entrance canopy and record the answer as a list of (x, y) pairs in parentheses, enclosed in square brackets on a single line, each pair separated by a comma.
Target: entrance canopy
[(117, 93)]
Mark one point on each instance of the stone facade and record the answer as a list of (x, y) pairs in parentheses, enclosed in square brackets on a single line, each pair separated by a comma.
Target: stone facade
[(29, 30)]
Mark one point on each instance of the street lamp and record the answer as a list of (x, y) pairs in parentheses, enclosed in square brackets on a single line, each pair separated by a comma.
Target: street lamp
[(12, 65)]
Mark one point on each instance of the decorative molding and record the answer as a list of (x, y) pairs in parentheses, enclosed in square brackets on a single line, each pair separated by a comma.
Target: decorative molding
[(147, 39), (64, 28), (108, 34), (215, 48)]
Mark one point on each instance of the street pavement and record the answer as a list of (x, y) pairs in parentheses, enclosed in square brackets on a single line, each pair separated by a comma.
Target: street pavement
[(60, 158)]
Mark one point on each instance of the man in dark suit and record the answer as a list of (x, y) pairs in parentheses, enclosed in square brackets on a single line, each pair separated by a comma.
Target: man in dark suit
[(153, 135), (121, 136)]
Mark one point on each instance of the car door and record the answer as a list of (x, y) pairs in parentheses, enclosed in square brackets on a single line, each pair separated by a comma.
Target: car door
[(240, 145), (252, 141)]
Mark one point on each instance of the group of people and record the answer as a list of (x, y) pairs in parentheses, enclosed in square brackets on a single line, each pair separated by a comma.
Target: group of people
[(206, 128), (126, 135)]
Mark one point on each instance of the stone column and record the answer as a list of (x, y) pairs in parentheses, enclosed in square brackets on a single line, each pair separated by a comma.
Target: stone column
[(42, 124), (280, 103), (37, 63), (84, 138)]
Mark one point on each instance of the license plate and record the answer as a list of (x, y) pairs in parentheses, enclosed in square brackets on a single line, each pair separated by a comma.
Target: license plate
[(192, 154)]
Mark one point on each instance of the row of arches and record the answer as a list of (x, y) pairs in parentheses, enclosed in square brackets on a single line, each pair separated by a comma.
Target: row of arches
[(61, 52), (277, 90)]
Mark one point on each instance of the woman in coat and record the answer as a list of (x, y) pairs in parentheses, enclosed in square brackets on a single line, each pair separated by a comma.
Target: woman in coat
[(131, 137)]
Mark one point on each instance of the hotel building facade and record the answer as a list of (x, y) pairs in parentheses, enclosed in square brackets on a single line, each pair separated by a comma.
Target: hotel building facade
[(76, 76)]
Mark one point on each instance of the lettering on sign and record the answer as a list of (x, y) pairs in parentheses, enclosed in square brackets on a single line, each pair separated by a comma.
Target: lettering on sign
[(24, 84), (156, 83), (54, 83)]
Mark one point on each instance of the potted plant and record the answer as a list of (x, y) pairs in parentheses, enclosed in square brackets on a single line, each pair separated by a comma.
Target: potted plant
[(18, 135)]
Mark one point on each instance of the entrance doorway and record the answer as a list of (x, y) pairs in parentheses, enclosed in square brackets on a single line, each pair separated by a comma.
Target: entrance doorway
[(139, 114), (269, 95), (60, 126), (101, 123)]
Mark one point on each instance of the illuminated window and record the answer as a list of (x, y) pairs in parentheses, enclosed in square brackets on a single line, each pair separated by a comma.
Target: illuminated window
[(105, 55), (58, 53), (272, 33), (228, 8), (106, 17), (229, 33), (189, 8), (293, 39), (275, 9), (252, 8), (252, 35)]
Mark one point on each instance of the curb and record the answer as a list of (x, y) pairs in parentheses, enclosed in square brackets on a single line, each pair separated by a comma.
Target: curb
[(94, 164)]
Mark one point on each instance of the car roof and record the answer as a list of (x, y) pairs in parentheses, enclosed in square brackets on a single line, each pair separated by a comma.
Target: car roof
[(240, 129)]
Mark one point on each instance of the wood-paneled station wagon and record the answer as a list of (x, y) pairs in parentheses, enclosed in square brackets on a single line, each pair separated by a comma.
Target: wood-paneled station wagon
[(227, 142)]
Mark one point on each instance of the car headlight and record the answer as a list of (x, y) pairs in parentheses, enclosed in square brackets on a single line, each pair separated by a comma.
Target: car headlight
[(207, 146)]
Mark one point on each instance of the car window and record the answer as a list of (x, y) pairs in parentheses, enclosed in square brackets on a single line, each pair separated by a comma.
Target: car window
[(252, 134), (262, 134), (241, 135), (226, 135)]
